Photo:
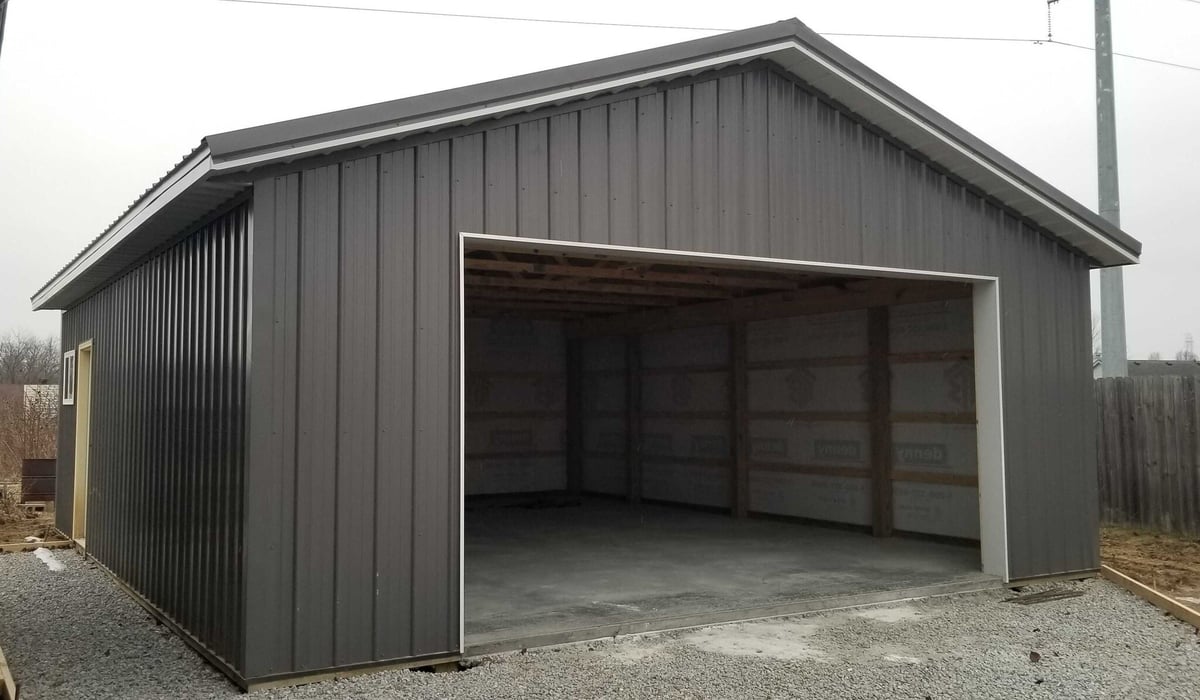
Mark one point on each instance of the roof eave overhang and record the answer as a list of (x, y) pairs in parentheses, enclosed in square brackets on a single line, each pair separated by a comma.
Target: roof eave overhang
[(182, 197)]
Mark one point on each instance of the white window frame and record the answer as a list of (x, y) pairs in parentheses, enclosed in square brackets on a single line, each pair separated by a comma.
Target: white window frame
[(68, 378)]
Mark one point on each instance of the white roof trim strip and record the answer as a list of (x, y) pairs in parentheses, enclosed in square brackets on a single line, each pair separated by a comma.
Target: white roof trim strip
[(970, 153), (185, 176), (395, 131), (334, 144)]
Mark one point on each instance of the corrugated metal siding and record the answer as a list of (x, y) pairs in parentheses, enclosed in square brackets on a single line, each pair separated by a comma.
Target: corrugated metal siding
[(168, 386), (744, 163)]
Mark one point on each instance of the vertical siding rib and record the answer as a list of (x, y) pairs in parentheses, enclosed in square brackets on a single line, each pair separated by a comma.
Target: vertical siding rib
[(781, 166), (730, 155), (803, 153), (593, 175), (433, 630), (622, 172), (706, 130), (271, 470), (678, 165), (564, 177), (501, 195), (755, 237), (533, 177), (394, 524), (652, 176), (316, 419), (355, 559)]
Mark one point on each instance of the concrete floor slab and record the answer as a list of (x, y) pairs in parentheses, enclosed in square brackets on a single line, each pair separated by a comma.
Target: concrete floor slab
[(537, 576)]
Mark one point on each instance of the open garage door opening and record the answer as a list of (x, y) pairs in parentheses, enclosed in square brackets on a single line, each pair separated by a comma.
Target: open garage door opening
[(654, 440)]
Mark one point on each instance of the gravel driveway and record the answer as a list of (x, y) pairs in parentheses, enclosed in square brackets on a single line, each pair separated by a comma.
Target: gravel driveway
[(74, 634)]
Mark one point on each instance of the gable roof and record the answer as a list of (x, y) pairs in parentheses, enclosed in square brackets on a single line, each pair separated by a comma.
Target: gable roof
[(219, 169)]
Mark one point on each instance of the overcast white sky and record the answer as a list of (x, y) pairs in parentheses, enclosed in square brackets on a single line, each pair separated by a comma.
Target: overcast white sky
[(99, 99)]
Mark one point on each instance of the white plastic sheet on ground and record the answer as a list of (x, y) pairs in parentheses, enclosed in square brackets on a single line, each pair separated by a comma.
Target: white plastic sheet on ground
[(48, 559)]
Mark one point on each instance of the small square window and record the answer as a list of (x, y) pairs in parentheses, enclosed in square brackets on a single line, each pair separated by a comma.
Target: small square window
[(68, 378)]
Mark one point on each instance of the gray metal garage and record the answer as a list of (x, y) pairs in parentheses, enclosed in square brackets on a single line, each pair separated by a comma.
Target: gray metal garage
[(722, 329)]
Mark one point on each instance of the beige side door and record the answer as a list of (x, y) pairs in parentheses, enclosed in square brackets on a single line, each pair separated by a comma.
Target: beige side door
[(83, 440)]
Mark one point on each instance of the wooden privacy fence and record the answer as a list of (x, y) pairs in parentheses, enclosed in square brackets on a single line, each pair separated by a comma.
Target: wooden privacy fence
[(1148, 452)]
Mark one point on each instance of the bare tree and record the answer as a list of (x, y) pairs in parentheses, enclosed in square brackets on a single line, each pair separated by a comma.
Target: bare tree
[(1189, 349), (1096, 338), (1155, 356), (28, 428), (28, 359)]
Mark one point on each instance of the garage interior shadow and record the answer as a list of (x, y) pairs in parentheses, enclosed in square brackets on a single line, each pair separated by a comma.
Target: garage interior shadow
[(651, 445)]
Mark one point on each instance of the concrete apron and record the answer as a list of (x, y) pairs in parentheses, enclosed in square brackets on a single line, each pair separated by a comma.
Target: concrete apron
[(482, 644), (597, 569)]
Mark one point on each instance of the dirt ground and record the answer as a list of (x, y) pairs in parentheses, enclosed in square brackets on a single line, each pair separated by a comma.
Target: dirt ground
[(1170, 563), (16, 531)]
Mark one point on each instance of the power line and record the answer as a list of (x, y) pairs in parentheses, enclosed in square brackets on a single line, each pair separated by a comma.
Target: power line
[(497, 18), (630, 25), (1129, 55), (1018, 40)]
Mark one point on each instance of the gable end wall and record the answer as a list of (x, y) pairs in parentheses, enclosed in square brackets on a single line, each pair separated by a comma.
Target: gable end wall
[(354, 293)]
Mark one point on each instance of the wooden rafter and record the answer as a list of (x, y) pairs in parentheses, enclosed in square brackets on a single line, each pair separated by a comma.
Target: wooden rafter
[(498, 293), (533, 305), (641, 273), (598, 287), (854, 294)]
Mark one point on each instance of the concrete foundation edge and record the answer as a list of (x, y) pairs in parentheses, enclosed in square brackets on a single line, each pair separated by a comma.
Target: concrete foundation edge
[(496, 646), (268, 682), (1054, 578)]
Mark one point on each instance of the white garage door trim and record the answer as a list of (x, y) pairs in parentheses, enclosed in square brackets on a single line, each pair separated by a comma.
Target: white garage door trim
[(989, 402)]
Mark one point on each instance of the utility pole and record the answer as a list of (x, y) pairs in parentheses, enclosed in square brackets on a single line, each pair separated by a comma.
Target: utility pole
[(1113, 356)]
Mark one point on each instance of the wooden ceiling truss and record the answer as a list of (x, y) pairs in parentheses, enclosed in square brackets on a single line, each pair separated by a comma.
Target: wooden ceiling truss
[(603, 296)]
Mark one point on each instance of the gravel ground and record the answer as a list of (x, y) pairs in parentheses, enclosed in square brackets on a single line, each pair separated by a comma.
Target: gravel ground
[(74, 634)]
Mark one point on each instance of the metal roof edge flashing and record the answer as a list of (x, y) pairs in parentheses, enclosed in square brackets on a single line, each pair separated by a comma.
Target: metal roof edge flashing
[(191, 170), (251, 158), (883, 91), (784, 49)]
